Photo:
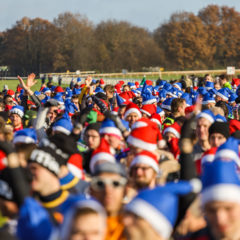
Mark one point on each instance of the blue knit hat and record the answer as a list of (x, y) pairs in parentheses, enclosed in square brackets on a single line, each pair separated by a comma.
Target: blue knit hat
[(109, 127), (229, 151), (220, 182), (63, 125), (208, 114), (220, 118), (209, 85), (167, 104), (232, 98), (223, 93), (19, 110), (159, 206), (208, 99), (27, 135)]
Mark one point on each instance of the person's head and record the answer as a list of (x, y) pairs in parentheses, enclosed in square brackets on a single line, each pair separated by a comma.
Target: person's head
[(152, 213), (45, 165), (126, 88), (218, 133), (85, 221), (172, 131), (8, 100), (222, 79), (220, 199), (143, 170), (52, 113), (74, 99), (224, 107), (109, 90), (178, 106), (111, 133), (204, 121), (132, 113), (108, 186), (92, 136), (16, 115)]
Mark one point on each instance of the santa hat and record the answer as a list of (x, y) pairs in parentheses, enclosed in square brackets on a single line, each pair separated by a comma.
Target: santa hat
[(149, 99), (178, 85), (19, 110), (149, 82), (145, 137), (58, 89), (223, 93), (101, 82), (132, 108), (103, 153), (209, 155), (148, 109), (234, 125), (157, 119), (174, 129), (147, 158), (235, 82), (208, 99), (108, 127), (59, 99), (159, 206), (232, 98), (27, 135), (63, 125), (75, 166), (209, 85), (167, 104), (46, 90), (207, 114), (229, 151), (220, 118), (10, 92), (220, 182)]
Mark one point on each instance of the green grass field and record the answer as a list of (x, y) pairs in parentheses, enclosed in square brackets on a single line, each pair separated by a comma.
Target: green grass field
[(12, 84)]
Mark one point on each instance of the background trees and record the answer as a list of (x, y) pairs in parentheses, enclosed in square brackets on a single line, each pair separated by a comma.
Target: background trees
[(208, 40)]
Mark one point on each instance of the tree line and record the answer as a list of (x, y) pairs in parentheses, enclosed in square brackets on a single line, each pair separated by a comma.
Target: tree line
[(207, 40)]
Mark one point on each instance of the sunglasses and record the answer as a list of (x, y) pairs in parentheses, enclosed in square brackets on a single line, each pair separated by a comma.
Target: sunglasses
[(99, 184)]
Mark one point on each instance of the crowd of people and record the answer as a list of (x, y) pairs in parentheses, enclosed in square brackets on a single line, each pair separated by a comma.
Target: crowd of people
[(151, 160)]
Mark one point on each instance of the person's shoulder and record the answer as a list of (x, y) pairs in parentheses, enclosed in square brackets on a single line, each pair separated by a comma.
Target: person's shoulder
[(202, 234)]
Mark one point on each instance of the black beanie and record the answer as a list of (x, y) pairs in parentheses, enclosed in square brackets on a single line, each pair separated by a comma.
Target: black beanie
[(220, 127), (48, 158), (94, 126)]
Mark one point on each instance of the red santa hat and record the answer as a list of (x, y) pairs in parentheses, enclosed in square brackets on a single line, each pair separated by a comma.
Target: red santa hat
[(174, 129), (101, 82), (75, 165), (157, 119), (234, 125), (146, 157), (145, 137), (103, 153), (10, 92), (132, 108), (58, 89), (149, 109), (209, 155)]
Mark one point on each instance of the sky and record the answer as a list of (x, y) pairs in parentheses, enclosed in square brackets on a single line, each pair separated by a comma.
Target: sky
[(149, 14)]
